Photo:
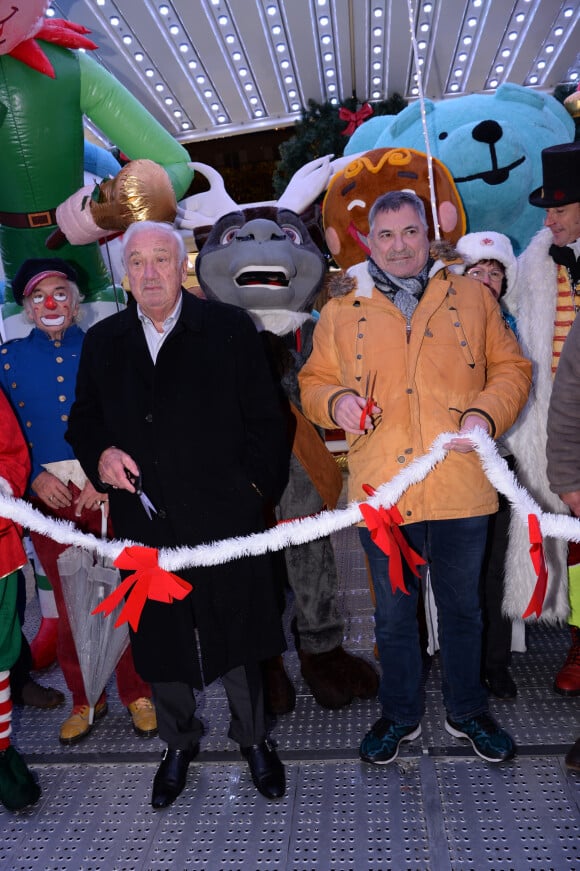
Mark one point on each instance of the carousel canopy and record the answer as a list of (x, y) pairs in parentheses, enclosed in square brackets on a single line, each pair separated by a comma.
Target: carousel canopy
[(212, 68)]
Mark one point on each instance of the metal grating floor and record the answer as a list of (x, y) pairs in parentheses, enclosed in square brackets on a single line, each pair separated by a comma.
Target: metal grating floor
[(436, 808)]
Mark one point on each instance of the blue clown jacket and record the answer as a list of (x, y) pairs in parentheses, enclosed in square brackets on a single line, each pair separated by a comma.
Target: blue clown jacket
[(38, 376)]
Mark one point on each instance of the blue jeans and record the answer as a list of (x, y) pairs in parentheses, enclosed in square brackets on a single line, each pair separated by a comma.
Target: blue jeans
[(454, 551)]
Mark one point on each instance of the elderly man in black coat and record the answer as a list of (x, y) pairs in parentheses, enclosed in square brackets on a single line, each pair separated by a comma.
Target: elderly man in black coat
[(175, 392)]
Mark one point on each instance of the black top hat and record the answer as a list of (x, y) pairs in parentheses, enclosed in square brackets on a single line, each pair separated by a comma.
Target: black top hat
[(32, 271), (561, 176)]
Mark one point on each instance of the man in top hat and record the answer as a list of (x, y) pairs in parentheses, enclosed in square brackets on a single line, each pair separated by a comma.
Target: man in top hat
[(38, 375), (545, 300)]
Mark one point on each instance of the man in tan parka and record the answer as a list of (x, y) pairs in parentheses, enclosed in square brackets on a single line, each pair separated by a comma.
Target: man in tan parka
[(397, 360)]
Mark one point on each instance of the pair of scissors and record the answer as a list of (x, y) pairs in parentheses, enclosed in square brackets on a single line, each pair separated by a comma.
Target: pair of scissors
[(135, 480), (369, 390)]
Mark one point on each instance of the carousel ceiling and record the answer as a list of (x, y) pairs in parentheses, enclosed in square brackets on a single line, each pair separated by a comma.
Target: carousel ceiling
[(212, 68)]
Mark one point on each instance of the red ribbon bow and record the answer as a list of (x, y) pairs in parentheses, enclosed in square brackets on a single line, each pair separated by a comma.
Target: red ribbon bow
[(354, 119), (383, 525), (539, 560), (149, 581)]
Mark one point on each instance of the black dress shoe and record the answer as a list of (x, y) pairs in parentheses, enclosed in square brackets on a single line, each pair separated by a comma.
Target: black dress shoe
[(500, 683), (171, 775), (266, 769)]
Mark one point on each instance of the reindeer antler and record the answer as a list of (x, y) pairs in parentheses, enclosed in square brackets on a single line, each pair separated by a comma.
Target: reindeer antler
[(305, 186), (203, 209)]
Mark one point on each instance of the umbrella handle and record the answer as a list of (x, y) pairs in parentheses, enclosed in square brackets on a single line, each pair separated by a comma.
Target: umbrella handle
[(103, 529)]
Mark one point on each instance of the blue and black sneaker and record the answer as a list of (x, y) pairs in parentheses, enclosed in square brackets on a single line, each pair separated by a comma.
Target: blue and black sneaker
[(381, 745), (487, 739)]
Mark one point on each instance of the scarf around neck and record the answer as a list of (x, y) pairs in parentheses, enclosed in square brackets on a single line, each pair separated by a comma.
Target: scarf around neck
[(405, 293)]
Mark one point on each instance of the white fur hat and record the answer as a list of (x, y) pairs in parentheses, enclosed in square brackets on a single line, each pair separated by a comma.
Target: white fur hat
[(474, 247)]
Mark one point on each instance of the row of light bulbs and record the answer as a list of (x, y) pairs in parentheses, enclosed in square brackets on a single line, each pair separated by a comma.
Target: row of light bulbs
[(426, 20)]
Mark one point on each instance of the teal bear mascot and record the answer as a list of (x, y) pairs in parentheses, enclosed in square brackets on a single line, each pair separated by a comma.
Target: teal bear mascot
[(490, 143)]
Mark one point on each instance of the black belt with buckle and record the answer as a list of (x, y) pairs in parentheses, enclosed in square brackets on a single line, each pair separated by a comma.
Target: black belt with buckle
[(28, 220)]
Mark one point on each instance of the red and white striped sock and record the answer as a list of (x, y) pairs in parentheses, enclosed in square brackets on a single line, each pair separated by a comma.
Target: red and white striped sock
[(5, 710)]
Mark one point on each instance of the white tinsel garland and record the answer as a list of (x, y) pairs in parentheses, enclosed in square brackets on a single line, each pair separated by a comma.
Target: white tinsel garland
[(308, 528)]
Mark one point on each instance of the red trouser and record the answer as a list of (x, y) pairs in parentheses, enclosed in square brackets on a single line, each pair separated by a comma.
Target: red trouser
[(129, 684)]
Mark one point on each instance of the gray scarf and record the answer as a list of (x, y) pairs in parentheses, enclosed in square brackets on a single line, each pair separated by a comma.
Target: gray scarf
[(405, 293)]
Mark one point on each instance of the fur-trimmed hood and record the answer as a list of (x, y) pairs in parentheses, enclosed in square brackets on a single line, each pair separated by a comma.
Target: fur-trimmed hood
[(340, 283)]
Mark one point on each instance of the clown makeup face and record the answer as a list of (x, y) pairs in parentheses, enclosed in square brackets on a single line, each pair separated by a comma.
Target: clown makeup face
[(51, 306), (564, 222)]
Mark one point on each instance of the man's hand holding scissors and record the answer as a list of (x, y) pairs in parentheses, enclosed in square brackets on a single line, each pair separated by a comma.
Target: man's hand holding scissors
[(113, 467), (121, 472), (354, 414)]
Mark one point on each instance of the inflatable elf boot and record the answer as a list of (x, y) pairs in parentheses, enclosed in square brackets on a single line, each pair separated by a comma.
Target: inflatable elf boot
[(18, 789)]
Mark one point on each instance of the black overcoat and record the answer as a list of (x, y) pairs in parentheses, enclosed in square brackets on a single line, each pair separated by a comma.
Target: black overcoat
[(205, 427)]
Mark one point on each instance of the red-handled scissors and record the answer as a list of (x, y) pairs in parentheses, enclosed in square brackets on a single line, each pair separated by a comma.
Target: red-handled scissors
[(369, 390)]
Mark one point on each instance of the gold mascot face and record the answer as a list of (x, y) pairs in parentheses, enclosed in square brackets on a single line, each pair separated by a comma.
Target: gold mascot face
[(352, 192)]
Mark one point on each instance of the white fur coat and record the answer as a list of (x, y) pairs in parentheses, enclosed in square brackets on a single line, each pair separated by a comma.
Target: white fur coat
[(533, 302)]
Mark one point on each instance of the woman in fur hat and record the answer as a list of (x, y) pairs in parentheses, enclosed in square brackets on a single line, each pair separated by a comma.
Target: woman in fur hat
[(488, 257)]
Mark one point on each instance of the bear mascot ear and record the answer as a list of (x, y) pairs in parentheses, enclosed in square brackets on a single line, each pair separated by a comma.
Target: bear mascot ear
[(353, 190)]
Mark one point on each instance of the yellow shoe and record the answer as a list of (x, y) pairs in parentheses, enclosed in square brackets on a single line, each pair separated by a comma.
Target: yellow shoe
[(144, 717), (77, 726)]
